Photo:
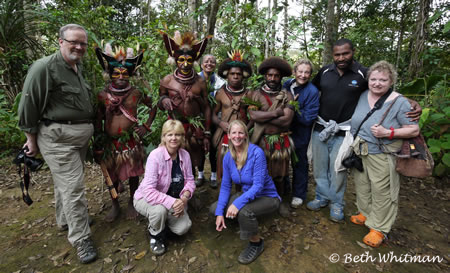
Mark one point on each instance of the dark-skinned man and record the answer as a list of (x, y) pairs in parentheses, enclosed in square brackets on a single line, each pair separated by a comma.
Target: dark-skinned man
[(183, 93), (272, 120), (340, 84)]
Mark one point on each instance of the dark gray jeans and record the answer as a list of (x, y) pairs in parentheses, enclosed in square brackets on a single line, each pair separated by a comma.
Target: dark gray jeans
[(247, 216)]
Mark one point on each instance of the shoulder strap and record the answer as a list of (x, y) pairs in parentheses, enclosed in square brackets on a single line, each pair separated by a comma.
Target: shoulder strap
[(387, 110), (377, 106)]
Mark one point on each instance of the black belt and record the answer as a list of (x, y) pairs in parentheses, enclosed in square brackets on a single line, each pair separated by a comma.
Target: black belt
[(47, 122), (318, 127)]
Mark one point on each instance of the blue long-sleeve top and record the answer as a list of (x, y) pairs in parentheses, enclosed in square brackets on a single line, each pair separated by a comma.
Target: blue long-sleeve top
[(253, 176), (308, 102)]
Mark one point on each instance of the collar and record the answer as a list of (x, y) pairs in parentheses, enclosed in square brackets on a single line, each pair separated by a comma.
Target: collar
[(269, 91), (66, 65), (354, 67), (167, 156)]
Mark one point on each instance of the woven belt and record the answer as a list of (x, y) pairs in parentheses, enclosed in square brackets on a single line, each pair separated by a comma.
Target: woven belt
[(47, 122)]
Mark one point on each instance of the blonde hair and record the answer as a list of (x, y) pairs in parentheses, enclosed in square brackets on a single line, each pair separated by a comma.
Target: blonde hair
[(384, 66), (240, 162), (172, 126)]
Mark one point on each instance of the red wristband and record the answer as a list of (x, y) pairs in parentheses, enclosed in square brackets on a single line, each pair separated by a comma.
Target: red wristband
[(391, 136)]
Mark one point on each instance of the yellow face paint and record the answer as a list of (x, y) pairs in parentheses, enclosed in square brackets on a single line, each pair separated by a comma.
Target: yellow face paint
[(118, 72)]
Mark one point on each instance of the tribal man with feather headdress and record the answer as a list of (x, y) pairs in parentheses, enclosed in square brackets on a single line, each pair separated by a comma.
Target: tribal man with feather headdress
[(184, 95), (117, 138)]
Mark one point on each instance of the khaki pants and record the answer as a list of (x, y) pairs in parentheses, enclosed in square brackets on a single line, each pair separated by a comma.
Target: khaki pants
[(158, 215), (64, 148), (377, 190)]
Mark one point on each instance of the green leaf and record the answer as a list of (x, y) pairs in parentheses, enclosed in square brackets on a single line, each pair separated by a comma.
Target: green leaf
[(437, 116), (446, 27), (248, 21), (446, 160), (434, 142), (440, 169), (435, 17), (434, 149), (255, 51), (424, 116), (446, 145), (233, 44)]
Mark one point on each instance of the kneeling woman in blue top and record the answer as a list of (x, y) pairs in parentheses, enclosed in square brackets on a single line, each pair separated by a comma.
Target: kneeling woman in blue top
[(245, 164)]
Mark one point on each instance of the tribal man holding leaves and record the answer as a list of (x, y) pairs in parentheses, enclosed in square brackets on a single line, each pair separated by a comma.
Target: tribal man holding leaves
[(272, 119), (117, 138), (229, 101), (184, 95)]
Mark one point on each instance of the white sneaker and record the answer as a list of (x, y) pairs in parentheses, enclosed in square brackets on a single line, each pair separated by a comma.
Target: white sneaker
[(296, 202)]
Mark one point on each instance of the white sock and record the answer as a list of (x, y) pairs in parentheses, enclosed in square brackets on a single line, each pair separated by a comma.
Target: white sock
[(200, 174), (213, 176)]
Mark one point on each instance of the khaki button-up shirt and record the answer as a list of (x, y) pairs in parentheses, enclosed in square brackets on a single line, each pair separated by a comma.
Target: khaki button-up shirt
[(53, 90)]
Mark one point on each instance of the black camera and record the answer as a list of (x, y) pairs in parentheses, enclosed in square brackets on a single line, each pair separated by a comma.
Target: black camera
[(353, 161), (34, 164)]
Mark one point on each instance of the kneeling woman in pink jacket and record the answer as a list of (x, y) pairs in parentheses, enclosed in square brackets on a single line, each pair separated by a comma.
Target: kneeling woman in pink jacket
[(167, 186)]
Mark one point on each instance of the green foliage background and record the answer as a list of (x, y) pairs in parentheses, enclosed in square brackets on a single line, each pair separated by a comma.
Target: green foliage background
[(28, 31)]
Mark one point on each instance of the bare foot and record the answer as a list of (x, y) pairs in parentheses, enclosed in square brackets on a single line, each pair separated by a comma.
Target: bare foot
[(132, 214), (120, 187), (114, 212)]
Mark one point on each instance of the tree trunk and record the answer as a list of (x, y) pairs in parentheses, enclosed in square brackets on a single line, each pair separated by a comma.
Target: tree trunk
[(305, 41), (267, 46), (200, 25), (400, 36), (420, 35), (192, 18), (212, 18), (274, 28), (285, 28), (329, 33)]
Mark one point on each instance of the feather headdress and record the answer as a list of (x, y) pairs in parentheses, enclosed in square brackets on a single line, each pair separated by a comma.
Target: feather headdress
[(184, 44), (235, 59), (110, 59)]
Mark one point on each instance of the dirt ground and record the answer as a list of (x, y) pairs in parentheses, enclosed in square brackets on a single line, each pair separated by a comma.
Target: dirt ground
[(305, 242)]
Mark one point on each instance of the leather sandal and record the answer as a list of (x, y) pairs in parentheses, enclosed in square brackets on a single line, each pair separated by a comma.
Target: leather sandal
[(358, 219), (374, 238)]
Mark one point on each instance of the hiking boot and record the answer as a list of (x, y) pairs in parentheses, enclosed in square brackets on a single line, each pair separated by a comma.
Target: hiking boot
[(316, 204), (157, 246), (199, 182), (213, 183), (66, 227), (283, 210), (336, 213), (296, 202), (86, 250), (252, 252)]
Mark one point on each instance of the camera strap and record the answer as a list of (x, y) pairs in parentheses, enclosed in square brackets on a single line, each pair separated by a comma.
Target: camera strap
[(378, 104), (25, 184)]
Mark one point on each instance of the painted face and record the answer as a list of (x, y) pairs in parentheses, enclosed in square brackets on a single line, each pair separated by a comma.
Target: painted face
[(73, 46), (209, 64), (379, 82), (185, 63), (273, 78), (173, 140), (302, 74), (235, 77), (237, 135), (343, 56), (120, 77)]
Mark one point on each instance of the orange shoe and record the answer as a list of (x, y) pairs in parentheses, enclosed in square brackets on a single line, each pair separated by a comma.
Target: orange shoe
[(374, 238), (358, 219)]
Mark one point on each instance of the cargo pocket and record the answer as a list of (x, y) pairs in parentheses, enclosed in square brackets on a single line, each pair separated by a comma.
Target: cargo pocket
[(70, 97)]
